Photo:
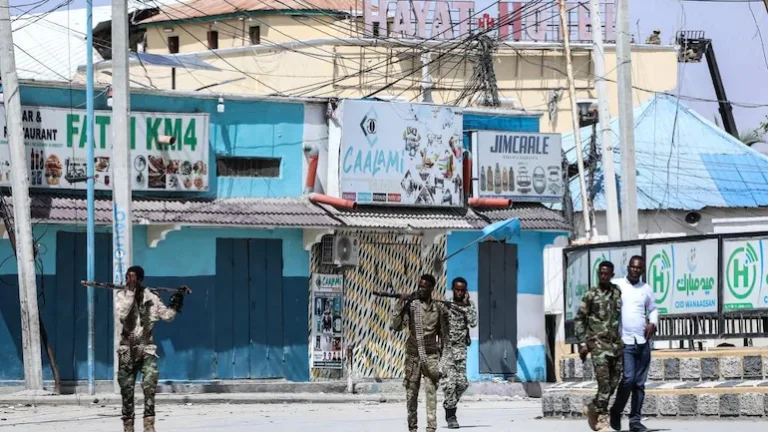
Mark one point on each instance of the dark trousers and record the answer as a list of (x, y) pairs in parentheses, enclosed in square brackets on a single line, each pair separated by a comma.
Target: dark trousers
[(637, 359)]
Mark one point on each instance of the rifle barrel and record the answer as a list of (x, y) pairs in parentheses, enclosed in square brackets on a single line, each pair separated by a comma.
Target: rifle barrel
[(121, 287), (394, 295)]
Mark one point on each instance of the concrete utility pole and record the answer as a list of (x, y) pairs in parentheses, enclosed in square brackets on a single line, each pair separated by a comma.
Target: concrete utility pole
[(604, 116), (30, 319), (626, 124), (575, 117), (122, 227)]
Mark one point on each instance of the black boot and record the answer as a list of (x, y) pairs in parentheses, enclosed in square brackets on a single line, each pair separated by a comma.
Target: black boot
[(450, 417)]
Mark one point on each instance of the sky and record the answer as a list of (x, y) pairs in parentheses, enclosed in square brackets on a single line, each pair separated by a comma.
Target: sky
[(732, 26)]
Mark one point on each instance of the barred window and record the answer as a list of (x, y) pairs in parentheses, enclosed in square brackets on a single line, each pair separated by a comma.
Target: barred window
[(248, 167)]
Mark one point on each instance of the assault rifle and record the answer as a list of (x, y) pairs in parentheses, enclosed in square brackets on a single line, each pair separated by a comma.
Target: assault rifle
[(183, 290), (410, 298)]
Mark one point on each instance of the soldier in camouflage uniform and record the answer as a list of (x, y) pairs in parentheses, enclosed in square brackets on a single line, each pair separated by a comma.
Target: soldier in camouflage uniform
[(139, 309), (427, 325), (461, 316), (597, 327)]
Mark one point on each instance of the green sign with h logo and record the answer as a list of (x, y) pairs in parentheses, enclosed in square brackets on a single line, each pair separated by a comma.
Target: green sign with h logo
[(659, 276), (743, 273)]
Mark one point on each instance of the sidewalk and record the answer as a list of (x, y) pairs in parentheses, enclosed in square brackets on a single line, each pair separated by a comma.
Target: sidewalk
[(256, 392), (226, 398)]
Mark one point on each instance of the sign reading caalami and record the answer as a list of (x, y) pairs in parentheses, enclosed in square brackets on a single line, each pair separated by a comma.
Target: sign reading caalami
[(683, 276), (56, 140), (401, 154)]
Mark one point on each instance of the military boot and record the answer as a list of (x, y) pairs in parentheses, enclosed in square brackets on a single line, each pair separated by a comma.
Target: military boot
[(149, 424), (591, 414), (128, 425), (603, 423), (450, 417)]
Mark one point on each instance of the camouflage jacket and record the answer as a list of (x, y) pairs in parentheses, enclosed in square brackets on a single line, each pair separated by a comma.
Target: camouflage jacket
[(138, 312), (460, 319), (434, 325), (598, 322)]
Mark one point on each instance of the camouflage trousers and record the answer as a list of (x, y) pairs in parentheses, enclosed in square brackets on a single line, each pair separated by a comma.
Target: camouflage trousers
[(454, 382), (414, 371), (131, 362), (608, 373)]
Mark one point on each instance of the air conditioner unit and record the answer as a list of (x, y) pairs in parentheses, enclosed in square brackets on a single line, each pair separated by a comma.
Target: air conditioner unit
[(340, 250)]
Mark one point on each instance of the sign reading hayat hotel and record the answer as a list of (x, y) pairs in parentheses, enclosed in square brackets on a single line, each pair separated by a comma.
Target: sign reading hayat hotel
[(519, 165), (56, 140), (745, 285), (531, 20), (683, 276), (399, 154)]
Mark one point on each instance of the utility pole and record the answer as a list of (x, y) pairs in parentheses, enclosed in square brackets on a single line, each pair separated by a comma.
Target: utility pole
[(604, 116), (626, 124), (91, 204), (122, 225), (30, 318), (575, 117)]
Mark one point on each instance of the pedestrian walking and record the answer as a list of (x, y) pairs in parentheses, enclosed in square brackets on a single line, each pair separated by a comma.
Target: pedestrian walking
[(597, 329), (462, 315), (427, 325), (139, 309), (639, 320)]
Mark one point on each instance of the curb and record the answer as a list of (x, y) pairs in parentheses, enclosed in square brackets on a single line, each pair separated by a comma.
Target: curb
[(714, 403), (231, 398)]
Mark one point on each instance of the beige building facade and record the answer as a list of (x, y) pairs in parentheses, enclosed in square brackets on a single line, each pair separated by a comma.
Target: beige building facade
[(292, 48)]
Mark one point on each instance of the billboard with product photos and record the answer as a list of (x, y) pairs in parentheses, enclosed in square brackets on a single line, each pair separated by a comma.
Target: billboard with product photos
[(400, 154), (55, 140)]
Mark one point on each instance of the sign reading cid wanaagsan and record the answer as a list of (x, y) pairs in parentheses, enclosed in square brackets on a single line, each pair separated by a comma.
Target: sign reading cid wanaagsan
[(55, 141), (744, 274), (401, 154), (683, 276), (519, 165)]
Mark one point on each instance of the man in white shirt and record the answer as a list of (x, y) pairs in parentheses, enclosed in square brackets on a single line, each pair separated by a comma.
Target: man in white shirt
[(639, 320)]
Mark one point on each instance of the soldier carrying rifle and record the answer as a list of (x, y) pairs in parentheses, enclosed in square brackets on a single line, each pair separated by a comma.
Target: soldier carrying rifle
[(139, 309)]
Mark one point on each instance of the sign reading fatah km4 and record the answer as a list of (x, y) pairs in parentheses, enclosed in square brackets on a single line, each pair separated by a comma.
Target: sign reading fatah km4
[(399, 154), (56, 139), (519, 165)]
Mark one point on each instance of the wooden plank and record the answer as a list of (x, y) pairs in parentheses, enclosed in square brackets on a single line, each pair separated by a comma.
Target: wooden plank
[(240, 309), (67, 260), (223, 311), (274, 276), (257, 283)]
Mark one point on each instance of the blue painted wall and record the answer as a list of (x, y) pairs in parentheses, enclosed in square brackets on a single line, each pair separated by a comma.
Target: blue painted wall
[(246, 129), (531, 352), (188, 346)]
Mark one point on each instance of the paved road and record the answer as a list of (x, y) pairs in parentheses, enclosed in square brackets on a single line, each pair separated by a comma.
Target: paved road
[(389, 417)]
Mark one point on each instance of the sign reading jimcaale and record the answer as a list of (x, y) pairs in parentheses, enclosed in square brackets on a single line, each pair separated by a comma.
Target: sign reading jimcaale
[(519, 165)]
